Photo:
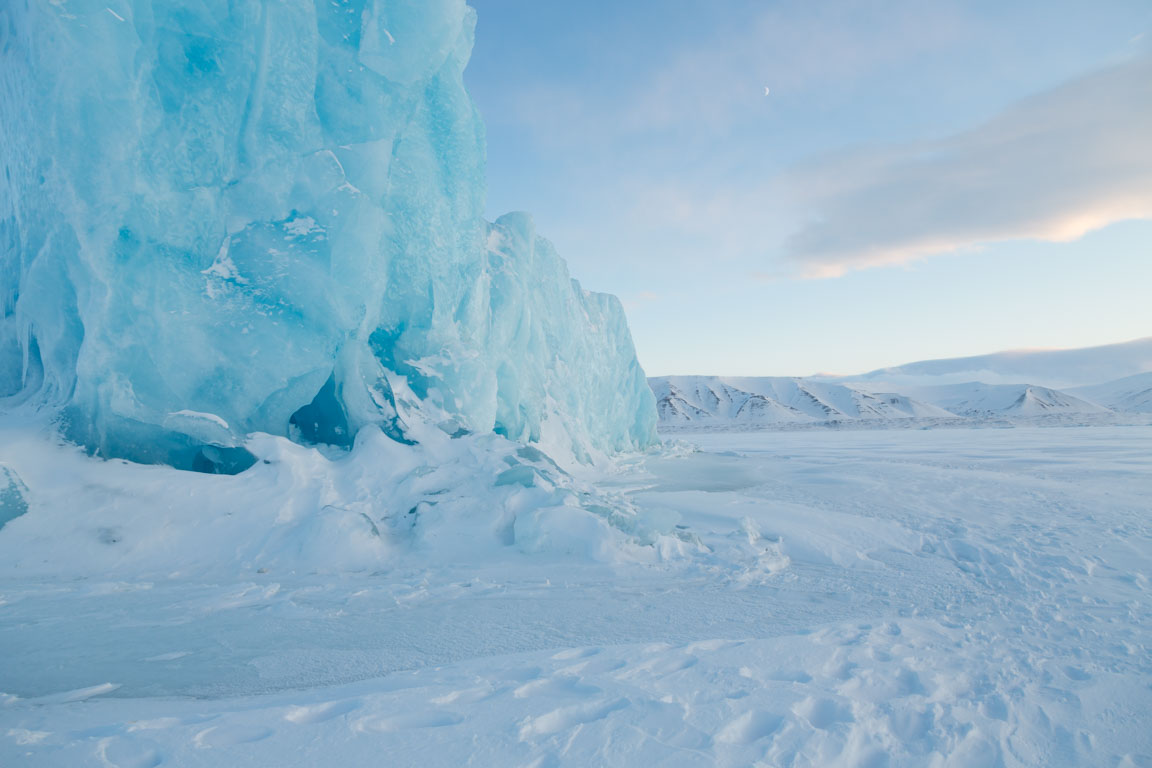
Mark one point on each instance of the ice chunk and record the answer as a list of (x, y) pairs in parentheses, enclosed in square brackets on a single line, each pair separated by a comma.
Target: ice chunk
[(12, 496), (219, 218)]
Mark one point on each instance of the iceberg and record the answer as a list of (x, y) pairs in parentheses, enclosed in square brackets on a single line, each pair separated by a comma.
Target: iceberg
[(220, 218)]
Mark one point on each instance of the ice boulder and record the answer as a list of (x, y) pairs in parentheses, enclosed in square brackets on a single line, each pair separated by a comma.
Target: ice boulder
[(220, 217), (13, 503)]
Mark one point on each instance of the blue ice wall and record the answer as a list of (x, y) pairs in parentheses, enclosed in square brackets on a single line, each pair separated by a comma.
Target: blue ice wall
[(227, 216)]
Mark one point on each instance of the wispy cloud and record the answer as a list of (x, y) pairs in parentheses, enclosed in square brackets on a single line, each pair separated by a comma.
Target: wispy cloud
[(790, 47), (1052, 167), (705, 86), (634, 301)]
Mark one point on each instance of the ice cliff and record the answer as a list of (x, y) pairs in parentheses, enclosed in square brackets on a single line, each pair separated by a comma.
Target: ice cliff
[(220, 217)]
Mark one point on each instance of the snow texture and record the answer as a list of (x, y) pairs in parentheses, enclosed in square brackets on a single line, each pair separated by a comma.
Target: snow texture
[(222, 218), (960, 598)]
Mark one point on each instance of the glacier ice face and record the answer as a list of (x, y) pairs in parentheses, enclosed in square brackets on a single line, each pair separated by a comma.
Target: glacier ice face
[(225, 217)]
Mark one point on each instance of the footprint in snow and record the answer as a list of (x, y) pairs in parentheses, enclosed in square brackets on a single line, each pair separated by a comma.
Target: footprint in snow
[(784, 675), (555, 686), (469, 695), (318, 713), (661, 666), (912, 724), (164, 723), (230, 735), (119, 753), (994, 707), (823, 714), (1075, 673), (575, 653), (405, 722), (748, 727), (712, 646), (521, 674), (569, 717)]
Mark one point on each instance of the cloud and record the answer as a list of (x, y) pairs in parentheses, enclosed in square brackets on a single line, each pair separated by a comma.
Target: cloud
[(1052, 167), (635, 301), (794, 47), (705, 84)]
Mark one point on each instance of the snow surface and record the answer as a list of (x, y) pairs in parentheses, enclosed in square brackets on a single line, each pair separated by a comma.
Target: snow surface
[(1054, 368), (220, 218), (1131, 393), (977, 399), (954, 597)]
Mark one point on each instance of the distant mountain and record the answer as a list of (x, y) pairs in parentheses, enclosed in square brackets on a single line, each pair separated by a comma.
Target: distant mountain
[(683, 400), (1016, 386), (731, 401), (1056, 368), (976, 399), (1132, 394)]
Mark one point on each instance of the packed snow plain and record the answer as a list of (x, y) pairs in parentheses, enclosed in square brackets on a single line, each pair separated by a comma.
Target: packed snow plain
[(958, 597), (232, 231)]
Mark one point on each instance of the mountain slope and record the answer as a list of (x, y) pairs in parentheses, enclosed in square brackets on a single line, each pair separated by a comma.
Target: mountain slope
[(976, 399), (1055, 368), (760, 401), (776, 400), (1132, 394)]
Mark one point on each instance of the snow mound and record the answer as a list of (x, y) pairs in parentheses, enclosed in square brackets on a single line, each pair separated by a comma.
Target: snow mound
[(219, 219), (306, 509)]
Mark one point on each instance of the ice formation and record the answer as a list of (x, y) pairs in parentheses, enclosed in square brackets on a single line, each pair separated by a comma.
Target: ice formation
[(12, 491), (220, 218)]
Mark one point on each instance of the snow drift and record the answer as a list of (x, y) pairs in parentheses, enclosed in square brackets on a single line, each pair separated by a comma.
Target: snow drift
[(221, 218)]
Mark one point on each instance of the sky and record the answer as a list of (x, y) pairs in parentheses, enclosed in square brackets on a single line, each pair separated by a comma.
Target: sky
[(804, 186)]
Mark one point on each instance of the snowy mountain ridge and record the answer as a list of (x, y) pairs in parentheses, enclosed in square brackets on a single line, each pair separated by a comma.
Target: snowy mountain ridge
[(976, 399), (718, 401), (1054, 368), (1004, 385), (1132, 394), (775, 400)]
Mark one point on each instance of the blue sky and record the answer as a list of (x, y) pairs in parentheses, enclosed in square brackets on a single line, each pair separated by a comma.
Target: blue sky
[(921, 180)]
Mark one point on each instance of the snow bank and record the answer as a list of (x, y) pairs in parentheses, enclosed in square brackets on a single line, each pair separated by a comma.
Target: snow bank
[(305, 509)]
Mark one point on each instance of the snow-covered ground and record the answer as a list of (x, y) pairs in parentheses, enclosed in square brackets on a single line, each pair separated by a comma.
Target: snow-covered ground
[(960, 597)]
